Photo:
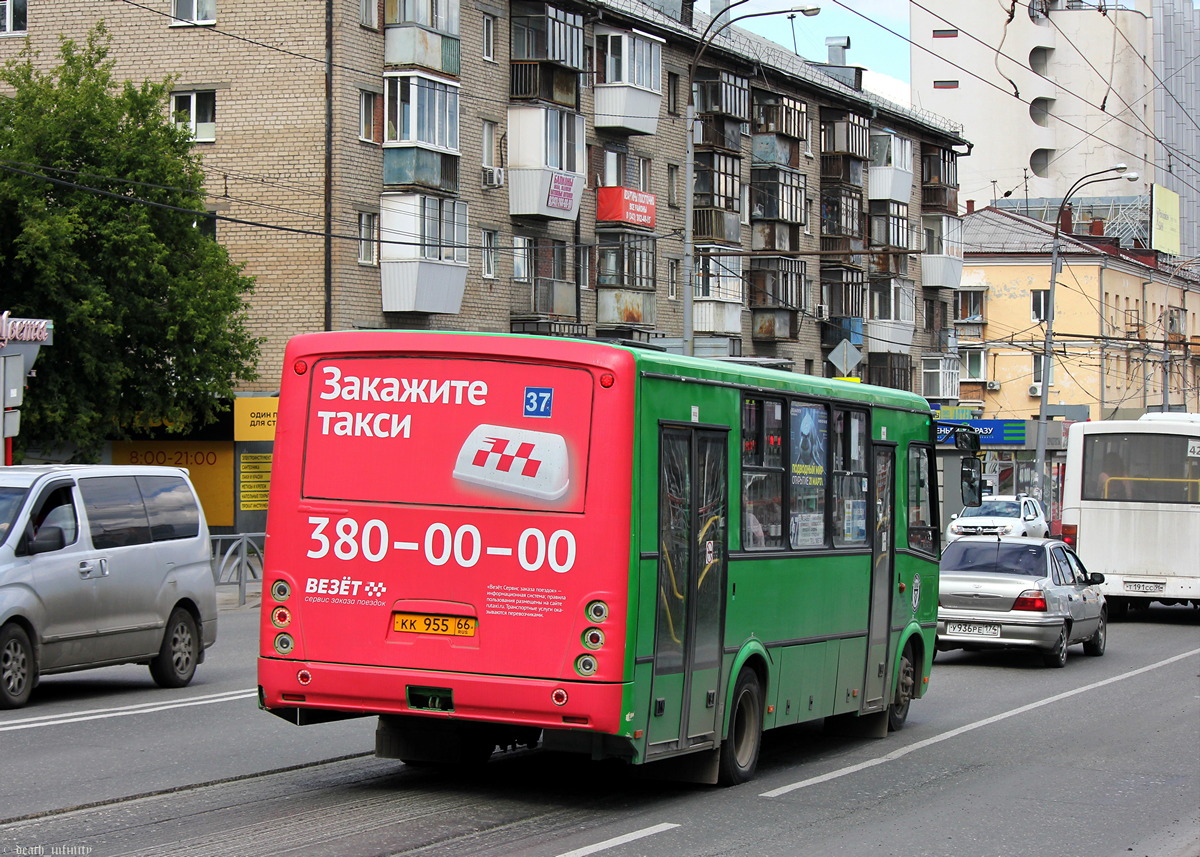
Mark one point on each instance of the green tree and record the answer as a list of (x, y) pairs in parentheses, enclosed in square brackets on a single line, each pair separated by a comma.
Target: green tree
[(101, 195)]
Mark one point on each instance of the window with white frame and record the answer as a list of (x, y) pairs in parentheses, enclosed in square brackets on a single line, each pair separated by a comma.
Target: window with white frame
[(196, 112), (444, 229), (632, 58), (421, 110), (489, 143), (368, 13), (440, 15), (972, 365), (970, 305), (718, 276), (625, 170), (368, 238), (489, 37), (894, 299), (939, 377), (673, 185), (189, 11), (673, 279), (488, 253), (1038, 375), (368, 115), (889, 223), (718, 181), (1039, 304), (888, 150), (522, 258), (564, 139), (13, 16)]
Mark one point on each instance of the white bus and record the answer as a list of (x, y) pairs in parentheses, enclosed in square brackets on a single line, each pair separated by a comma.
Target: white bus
[(1131, 507)]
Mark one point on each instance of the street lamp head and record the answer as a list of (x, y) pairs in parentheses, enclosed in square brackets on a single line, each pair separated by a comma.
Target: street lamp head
[(1132, 177), (1118, 168), (807, 11)]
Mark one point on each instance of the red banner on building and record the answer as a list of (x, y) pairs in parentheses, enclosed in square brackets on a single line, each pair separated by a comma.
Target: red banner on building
[(625, 205)]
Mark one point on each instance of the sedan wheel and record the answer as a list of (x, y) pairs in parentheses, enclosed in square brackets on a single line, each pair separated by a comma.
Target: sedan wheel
[(1057, 657), (1095, 645)]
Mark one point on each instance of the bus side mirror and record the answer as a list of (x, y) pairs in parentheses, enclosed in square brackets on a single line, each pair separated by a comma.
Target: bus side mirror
[(972, 481), (967, 441)]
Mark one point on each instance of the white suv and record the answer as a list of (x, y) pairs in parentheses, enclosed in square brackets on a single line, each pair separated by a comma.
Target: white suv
[(1000, 515)]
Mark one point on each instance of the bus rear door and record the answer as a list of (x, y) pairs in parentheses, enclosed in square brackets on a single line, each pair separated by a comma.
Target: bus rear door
[(693, 500)]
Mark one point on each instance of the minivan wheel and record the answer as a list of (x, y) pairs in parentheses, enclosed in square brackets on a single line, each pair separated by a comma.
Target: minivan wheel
[(17, 669), (180, 650)]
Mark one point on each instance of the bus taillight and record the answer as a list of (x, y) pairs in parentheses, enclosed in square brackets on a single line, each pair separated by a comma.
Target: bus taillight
[(299, 367), (593, 638), (304, 677), (284, 644), (281, 590), (586, 665), (597, 611), (281, 617), (1070, 534)]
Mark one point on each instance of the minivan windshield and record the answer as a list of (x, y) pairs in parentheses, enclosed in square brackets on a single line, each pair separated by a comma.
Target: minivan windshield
[(994, 557), (11, 500), (993, 509)]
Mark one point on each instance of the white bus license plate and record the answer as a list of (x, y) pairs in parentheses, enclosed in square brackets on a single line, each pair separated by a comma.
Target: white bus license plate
[(1144, 586), (978, 629)]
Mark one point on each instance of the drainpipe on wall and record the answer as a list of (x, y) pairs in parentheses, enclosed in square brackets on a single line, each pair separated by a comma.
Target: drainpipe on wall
[(329, 164)]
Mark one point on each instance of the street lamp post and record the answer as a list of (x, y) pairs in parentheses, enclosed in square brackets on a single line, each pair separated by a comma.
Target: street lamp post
[(715, 26), (1048, 345)]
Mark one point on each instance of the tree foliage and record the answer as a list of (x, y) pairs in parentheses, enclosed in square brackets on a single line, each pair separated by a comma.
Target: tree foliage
[(101, 195)]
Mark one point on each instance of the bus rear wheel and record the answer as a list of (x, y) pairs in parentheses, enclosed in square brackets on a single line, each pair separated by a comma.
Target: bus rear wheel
[(906, 683), (739, 751)]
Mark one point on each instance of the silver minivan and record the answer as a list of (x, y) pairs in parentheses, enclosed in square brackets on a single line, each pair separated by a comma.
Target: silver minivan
[(101, 565)]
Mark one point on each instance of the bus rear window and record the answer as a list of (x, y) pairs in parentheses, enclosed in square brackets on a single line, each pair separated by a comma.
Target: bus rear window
[(1147, 468), (439, 432)]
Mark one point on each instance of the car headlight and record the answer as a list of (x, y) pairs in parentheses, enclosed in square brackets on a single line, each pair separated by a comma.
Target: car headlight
[(954, 528), (1006, 529)]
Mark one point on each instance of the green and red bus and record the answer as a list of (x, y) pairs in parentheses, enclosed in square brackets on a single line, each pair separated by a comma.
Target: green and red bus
[(493, 541)]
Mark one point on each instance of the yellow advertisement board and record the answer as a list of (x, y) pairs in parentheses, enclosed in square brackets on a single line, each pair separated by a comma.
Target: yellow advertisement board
[(254, 417), (209, 464), (1164, 220), (254, 480)]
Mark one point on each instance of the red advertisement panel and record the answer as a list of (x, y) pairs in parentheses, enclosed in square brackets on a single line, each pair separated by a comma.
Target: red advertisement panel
[(428, 431), (625, 205)]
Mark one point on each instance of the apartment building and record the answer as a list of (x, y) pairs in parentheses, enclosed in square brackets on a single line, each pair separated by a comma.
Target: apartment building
[(1050, 91), (1121, 324), (522, 166)]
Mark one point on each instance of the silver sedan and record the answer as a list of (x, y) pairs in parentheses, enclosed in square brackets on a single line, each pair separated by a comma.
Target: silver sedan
[(1008, 592)]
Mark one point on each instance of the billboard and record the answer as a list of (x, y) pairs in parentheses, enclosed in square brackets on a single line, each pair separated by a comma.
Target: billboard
[(1164, 220)]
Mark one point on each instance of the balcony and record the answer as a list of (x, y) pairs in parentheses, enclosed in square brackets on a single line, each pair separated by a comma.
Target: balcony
[(939, 197), (625, 107), (843, 169), (715, 224), (889, 334), (531, 80), (773, 325), (544, 299), (834, 330), (969, 329), (717, 133), (416, 166), (716, 316), (774, 150), (619, 307), (939, 270), (422, 285), (545, 193), (625, 205), (890, 183), (411, 45)]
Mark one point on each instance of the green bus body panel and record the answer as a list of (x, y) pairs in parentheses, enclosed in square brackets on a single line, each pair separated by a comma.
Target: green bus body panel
[(800, 617)]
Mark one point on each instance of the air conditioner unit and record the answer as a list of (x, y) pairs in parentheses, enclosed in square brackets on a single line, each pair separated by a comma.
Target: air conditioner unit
[(822, 311), (993, 385), (1035, 389), (493, 176)]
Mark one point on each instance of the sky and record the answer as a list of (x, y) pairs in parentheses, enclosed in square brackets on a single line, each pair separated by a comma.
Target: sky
[(872, 47)]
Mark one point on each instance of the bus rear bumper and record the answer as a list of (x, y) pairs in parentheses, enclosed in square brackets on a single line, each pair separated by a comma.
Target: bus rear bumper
[(358, 690)]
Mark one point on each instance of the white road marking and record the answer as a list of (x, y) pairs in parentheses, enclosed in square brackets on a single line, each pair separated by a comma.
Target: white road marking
[(954, 733), (124, 711), (618, 840)]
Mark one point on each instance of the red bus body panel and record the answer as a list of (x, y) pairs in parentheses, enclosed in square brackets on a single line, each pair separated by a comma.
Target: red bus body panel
[(458, 478)]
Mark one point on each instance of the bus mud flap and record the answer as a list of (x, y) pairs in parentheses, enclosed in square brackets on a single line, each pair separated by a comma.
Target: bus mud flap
[(702, 768), (858, 725)]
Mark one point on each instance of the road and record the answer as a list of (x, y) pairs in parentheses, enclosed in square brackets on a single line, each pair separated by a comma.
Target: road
[(1003, 757)]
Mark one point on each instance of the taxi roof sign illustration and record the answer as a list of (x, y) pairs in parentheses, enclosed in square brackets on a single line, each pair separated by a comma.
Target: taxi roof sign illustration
[(517, 461)]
